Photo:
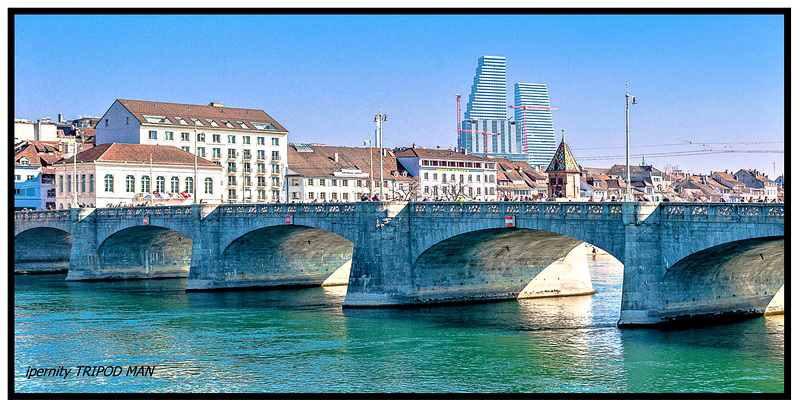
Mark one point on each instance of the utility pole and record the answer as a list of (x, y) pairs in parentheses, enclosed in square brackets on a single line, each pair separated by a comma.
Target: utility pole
[(151, 179), (628, 143), (379, 119), (194, 181), (75, 173)]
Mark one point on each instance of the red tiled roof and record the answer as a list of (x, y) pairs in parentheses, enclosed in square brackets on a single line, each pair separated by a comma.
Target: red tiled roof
[(320, 161), (137, 153), (202, 112)]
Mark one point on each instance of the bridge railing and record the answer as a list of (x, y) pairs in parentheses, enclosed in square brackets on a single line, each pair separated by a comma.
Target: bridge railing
[(132, 212), (327, 209), (554, 210), (755, 212), (49, 215)]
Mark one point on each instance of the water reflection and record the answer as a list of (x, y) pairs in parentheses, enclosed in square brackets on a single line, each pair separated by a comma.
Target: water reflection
[(301, 340)]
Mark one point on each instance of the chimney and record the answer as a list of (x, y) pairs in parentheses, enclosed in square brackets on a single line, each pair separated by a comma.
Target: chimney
[(336, 157), (60, 118), (413, 145), (215, 104)]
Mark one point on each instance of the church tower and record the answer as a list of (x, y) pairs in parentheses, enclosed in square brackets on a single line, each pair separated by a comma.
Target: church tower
[(564, 174)]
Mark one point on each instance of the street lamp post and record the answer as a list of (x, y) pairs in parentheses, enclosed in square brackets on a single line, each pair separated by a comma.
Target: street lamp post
[(370, 166), (75, 173), (379, 119), (194, 181), (628, 143)]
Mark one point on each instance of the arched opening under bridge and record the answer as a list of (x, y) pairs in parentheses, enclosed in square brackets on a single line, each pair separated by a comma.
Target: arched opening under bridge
[(42, 250)]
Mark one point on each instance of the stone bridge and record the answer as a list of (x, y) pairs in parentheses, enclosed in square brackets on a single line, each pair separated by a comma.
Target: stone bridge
[(682, 260)]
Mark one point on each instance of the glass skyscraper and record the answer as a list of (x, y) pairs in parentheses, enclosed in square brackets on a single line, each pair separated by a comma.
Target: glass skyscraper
[(486, 112), (537, 123)]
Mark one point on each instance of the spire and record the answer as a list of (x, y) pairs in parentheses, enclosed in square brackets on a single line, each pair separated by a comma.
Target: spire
[(563, 160)]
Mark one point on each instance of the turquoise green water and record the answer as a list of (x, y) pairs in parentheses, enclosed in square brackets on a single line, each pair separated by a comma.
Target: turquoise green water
[(303, 341)]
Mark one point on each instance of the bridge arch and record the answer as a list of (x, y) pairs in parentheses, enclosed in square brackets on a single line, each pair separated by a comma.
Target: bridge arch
[(40, 249), (733, 278), (286, 255), (143, 251), (502, 263)]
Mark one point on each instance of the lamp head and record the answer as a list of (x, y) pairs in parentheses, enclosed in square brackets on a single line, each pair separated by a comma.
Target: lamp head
[(634, 100)]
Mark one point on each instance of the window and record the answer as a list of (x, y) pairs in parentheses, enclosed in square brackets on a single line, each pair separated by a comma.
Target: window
[(247, 181), (491, 179), (189, 185), (262, 181), (478, 178), (127, 120), (174, 184), (152, 135), (262, 195), (201, 151), (246, 140), (276, 168), (276, 155), (295, 182), (30, 177), (160, 184), (231, 138), (469, 178), (215, 152), (232, 167), (425, 175), (276, 181), (231, 180), (17, 177), (83, 183), (435, 176), (91, 182), (16, 191), (461, 178), (231, 194), (168, 136), (322, 182), (311, 195), (333, 196), (246, 167), (452, 177), (129, 182), (185, 149), (295, 195), (426, 190), (184, 136), (231, 153), (108, 182), (260, 140), (275, 141), (333, 183), (201, 137), (145, 184), (260, 155), (69, 184), (209, 185), (247, 155), (345, 196), (358, 183), (310, 182), (344, 183), (106, 122), (51, 193), (261, 167)]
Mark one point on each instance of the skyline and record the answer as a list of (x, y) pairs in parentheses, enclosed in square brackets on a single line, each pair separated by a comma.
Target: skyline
[(324, 77)]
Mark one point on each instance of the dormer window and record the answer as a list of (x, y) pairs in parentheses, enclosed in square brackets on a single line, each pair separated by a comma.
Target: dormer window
[(211, 121), (263, 126), (157, 119), (181, 120), (24, 161), (227, 123), (242, 124), (196, 121)]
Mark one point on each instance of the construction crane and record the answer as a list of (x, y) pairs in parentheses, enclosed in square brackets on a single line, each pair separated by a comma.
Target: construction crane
[(485, 134), (524, 121), (458, 119)]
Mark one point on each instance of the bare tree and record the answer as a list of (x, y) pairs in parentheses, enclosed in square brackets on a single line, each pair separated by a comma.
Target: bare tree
[(458, 190), (406, 190)]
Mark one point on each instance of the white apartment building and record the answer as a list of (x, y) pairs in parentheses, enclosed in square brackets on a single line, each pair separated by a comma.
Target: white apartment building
[(42, 130), (319, 173), (248, 144), (449, 175), (116, 174)]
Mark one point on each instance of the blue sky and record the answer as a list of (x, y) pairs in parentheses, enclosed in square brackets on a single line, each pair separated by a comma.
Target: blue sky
[(699, 79)]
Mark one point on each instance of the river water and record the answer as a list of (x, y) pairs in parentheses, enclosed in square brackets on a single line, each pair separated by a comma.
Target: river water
[(301, 340)]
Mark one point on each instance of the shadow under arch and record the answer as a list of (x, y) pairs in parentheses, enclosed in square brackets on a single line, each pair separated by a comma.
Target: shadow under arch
[(734, 280), (42, 250), (286, 256), (501, 263), (144, 252)]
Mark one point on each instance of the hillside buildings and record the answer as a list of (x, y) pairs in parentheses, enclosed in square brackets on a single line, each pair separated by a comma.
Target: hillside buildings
[(123, 174), (247, 144)]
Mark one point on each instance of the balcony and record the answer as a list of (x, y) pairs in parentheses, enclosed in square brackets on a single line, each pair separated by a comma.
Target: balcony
[(248, 157), (261, 186), (231, 170), (231, 186), (275, 159), (260, 159), (246, 171), (274, 187)]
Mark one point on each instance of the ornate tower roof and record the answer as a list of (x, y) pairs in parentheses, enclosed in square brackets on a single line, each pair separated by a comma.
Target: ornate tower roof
[(563, 160)]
